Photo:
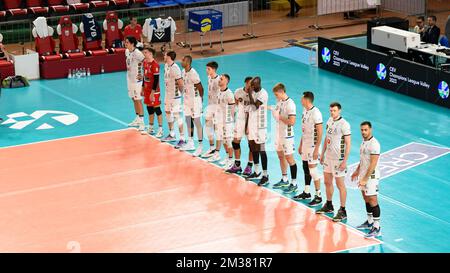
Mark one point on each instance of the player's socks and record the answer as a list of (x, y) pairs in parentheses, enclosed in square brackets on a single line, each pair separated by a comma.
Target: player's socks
[(307, 188), (284, 177), (237, 163), (369, 213), (264, 172), (318, 193)]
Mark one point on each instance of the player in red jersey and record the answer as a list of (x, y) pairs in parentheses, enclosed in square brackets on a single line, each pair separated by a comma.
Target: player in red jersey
[(150, 90)]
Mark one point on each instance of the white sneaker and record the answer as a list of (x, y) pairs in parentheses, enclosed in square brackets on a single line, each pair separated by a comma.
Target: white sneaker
[(189, 146), (141, 127), (198, 152), (224, 162), (229, 164), (145, 131), (215, 157), (209, 153), (150, 130), (134, 123), (160, 133)]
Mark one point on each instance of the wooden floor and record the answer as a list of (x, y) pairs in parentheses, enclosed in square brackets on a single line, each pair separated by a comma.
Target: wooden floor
[(272, 29)]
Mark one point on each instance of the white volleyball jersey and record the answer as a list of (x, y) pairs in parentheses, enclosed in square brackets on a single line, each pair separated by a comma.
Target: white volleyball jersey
[(258, 117), (134, 65), (369, 147), (310, 118), (172, 73), (190, 79), (336, 131), (213, 90), (226, 104), (285, 109), (243, 101)]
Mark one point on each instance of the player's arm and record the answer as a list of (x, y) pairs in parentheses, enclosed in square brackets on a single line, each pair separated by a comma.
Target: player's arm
[(256, 103), (319, 129), (324, 148), (290, 120), (347, 141), (373, 164), (180, 84), (300, 146), (199, 87)]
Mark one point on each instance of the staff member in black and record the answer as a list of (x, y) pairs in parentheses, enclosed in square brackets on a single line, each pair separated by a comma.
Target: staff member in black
[(431, 32)]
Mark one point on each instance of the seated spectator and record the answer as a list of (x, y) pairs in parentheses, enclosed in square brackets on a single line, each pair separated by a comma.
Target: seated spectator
[(431, 32), (4, 55), (133, 29), (420, 25)]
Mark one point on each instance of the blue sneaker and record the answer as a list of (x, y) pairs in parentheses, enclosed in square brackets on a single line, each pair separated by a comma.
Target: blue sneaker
[(365, 225), (281, 184), (180, 144), (373, 233), (290, 189)]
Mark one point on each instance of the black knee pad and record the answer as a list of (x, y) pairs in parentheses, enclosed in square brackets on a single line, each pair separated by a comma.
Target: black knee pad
[(236, 146), (158, 111), (150, 110)]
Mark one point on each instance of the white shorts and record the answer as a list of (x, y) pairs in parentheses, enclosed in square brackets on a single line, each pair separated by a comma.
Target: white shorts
[(287, 145), (371, 188), (224, 132), (239, 128), (193, 109), (211, 110), (307, 154), (332, 166), (134, 91), (173, 105), (257, 135)]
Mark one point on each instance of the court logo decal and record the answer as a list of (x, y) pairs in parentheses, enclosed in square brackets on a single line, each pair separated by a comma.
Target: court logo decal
[(381, 71), (401, 159), (326, 55), (41, 119), (443, 89)]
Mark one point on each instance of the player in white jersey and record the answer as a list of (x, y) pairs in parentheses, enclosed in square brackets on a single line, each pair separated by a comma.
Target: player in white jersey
[(224, 121), (211, 108), (335, 152), (285, 115), (242, 102), (257, 128), (193, 102), (173, 96), (312, 129), (134, 59), (368, 174)]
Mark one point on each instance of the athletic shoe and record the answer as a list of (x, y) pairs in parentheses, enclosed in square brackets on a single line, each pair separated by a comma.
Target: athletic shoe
[(168, 138), (302, 196), (254, 176), (145, 131), (290, 189), (150, 130), (234, 169), (247, 171), (160, 133), (229, 165), (224, 162), (189, 146), (198, 152), (215, 157), (180, 144), (373, 233), (325, 209), (365, 225), (141, 128), (134, 123), (281, 184), (340, 216), (209, 153), (264, 181), (316, 201)]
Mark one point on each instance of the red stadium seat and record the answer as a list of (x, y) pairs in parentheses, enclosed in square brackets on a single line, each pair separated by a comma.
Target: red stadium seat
[(57, 6), (113, 30), (92, 43), (44, 43), (76, 5), (13, 8), (119, 3), (138, 1), (98, 4), (68, 40), (36, 7), (2, 14)]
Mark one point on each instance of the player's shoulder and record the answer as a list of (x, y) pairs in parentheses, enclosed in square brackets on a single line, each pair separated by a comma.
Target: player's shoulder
[(374, 141)]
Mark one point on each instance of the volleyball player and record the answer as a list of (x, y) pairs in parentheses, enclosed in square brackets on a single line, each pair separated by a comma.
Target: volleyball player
[(335, 152), (285, 114), (240, 129), (368, 174), (172, 99), (193, 102), (134, 60), (257, 129), (312, 128), (150, 90), (211, 108)]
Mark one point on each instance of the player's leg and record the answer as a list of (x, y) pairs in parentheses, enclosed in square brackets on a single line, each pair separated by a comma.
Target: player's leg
[(306, 192), (236, 147), (227, 144), (329, 189), (140, 111), (133, 96), (178, 120), (315, 176), (249, 168), (209, 128), (342, 213), (158, 112), (151, 119), (369, 222), (198, 125), (170, 119), (262, 153), (219, 134), (254, 150), (189, 146), (371, 192), (292, 188), (284, 182)]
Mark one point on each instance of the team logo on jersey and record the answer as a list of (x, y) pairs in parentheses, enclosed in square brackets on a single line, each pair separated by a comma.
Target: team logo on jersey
[(21, 120), (205, 25), (443, 89), (381, 71), (326, 55)]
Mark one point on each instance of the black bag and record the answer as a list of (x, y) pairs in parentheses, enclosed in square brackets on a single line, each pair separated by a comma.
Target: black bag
[(15, 82)]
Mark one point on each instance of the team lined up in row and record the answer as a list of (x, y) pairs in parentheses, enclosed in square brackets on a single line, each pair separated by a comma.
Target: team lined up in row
[(231, 116)]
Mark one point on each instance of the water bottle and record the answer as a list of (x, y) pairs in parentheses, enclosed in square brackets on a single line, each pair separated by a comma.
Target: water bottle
[(88, 72), (102, 70), (69, 76), (78, 73), (84, 72)]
